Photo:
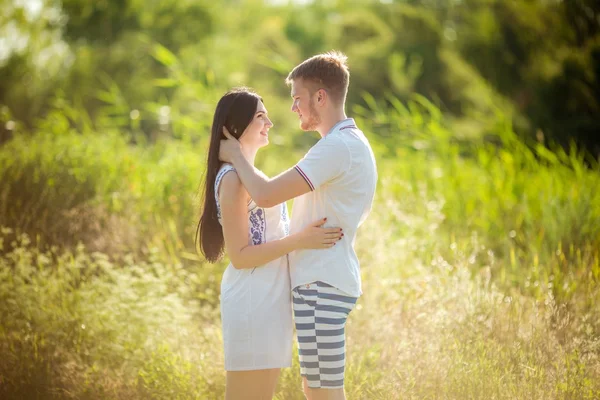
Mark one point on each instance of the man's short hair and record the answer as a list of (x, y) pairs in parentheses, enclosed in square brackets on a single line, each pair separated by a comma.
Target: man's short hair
[(328, 71)]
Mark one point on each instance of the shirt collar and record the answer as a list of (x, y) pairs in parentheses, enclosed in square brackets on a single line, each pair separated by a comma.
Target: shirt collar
[(341, 125)]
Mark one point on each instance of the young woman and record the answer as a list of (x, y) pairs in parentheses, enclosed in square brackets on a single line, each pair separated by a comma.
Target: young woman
[(255, 290)]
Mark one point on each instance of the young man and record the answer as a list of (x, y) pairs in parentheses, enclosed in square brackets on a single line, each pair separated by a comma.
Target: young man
[(336, 179)]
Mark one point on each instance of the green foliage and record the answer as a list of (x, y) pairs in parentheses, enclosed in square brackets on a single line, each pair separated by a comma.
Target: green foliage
[(456, 54), (551, 75)]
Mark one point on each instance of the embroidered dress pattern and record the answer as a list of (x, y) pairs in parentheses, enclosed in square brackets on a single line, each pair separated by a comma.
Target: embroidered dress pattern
[(258, 226)]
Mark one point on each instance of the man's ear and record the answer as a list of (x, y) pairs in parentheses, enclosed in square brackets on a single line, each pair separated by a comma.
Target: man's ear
[(321, 97)]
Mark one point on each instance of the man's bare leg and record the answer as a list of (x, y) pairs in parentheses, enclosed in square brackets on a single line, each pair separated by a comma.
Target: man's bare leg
[(322, 394)]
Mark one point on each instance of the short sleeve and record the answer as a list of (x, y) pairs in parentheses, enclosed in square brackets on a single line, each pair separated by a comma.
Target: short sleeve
[(325, 161)]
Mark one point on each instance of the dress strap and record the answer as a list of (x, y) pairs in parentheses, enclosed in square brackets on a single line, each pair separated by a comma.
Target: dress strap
[(224, 169)]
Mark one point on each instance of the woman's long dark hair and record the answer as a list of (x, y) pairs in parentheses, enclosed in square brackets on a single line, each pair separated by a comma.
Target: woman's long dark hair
[(235, 111)]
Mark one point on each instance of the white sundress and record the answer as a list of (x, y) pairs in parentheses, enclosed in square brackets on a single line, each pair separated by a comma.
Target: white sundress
[(256, 311)]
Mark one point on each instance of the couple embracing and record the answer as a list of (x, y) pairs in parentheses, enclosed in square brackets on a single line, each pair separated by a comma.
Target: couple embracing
[(309, 264)]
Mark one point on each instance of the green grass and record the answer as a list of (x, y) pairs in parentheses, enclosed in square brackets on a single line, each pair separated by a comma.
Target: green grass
[(480, 268)]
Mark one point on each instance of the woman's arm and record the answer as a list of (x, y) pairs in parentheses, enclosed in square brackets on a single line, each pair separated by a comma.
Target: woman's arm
[(234, 213)]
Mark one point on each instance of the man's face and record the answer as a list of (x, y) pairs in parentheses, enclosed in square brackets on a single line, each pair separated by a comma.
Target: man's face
[(304, 105)]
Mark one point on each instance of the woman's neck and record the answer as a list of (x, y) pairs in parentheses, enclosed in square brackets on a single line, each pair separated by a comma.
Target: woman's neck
[(249, 154)]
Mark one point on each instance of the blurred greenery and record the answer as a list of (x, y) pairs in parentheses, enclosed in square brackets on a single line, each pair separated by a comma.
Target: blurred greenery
[(480, 260), (538, 60)]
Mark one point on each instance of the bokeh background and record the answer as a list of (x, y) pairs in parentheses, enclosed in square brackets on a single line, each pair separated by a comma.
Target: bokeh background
[(480, 260)]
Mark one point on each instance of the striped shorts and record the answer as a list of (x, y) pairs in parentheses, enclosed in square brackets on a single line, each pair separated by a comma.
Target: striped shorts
[(320, 313)]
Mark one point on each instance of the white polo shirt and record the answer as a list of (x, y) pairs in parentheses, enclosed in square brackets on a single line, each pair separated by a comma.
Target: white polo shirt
[(342, 174)]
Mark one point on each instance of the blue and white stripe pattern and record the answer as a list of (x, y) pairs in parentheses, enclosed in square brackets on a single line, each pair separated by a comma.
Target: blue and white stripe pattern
[(320, 313)]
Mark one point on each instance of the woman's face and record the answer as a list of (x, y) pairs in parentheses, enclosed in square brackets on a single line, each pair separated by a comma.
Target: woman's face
[(256, 134)]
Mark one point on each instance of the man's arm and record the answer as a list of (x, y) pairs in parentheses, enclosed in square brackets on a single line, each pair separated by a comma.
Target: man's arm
[(264, 191), (234, 210), (269, 192)]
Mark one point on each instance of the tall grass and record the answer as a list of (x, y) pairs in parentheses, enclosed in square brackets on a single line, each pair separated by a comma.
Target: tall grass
[(75, 325), (539, 210), (480, 265)]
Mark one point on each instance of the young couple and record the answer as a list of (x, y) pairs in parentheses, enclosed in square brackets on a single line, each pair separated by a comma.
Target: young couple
[(311, 267)]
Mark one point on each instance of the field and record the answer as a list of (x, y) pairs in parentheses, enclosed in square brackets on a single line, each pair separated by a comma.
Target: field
[(480, 265)]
